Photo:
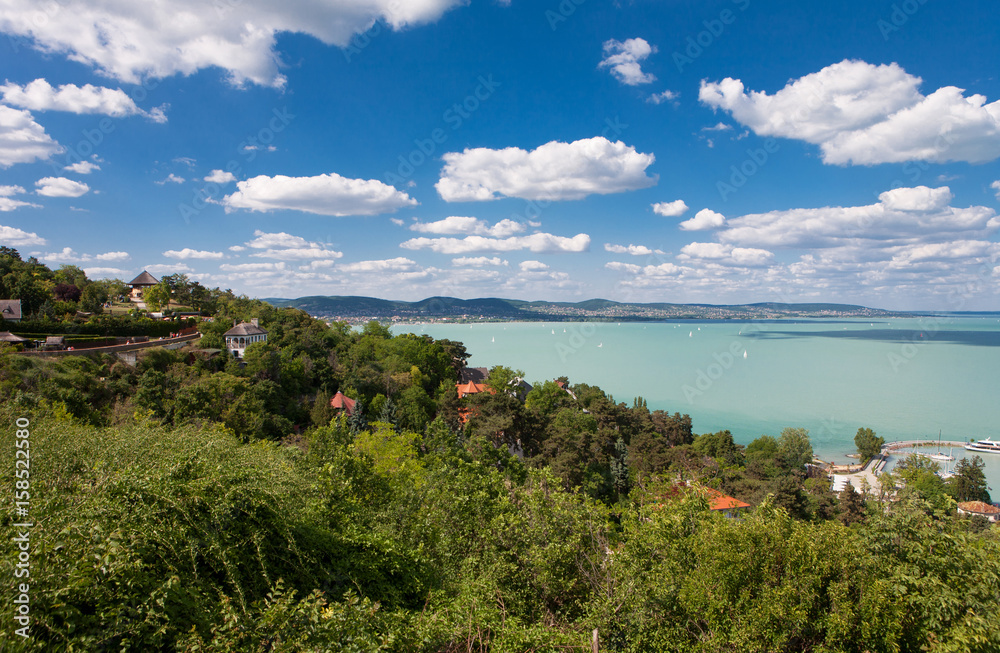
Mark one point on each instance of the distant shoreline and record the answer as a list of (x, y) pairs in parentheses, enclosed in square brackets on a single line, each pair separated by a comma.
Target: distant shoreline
[(491, 309)]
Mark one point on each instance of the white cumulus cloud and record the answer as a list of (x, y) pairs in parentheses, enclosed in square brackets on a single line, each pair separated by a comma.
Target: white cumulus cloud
[(14, 237), (633, 250), (132, 41), (466, 225), (665, 96), (188, 253), (477, 261), (171, 179), (398, 264), (901, 216), (8, 204), (539, 242), (328, 194), (68, 255), (22, 140), (553, 171), (286, 247), (220, 177), (996, 186), (862, 114), (39, 95), (703, 220), (532, 266), (623, 58), (82, 167), (670, 209), (60, 187)]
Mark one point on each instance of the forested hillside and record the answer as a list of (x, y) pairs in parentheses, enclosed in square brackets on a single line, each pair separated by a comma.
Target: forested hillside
[(194, 503)]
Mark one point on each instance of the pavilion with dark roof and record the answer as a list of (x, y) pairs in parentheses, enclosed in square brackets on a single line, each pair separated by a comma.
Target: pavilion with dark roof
[(144, 280), (10, 309), (243, 335), (10, 338)]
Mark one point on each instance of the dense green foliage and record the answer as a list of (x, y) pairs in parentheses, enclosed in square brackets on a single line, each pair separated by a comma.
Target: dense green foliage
[(198, 503), (150, 538)]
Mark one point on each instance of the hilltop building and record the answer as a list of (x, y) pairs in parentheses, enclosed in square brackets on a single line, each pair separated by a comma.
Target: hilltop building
[(243, 335), (982, 508), (141, 282), (11, 309), (473, 374)]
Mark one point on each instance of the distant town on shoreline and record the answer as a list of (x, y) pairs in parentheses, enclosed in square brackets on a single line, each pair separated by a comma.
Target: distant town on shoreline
[(451, 309)]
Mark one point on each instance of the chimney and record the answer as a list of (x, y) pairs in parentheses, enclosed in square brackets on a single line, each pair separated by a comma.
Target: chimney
[(253, 321)]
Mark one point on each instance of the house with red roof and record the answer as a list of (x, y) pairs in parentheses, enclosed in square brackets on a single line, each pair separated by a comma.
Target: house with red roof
[(987, 510)]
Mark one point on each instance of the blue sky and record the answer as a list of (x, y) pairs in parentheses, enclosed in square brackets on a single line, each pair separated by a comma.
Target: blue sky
[(729, 151)]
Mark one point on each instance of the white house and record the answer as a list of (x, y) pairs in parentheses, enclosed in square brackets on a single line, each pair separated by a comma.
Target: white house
[(243, 335)]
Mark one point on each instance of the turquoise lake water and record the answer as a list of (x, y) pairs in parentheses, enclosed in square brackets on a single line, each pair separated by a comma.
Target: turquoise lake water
[(905, 378)]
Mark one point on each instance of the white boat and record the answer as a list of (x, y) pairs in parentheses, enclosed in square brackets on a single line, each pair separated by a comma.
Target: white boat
[(941, 456), (600, 345), (744, 353), (987, 445)]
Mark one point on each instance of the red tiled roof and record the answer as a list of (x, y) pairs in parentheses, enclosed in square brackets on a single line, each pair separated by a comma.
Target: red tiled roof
[(719, 501), (342, 401), (980, 507), (471, 388)]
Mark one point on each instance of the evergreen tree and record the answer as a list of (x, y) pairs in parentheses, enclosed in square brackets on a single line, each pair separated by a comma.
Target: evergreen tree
[(969, 482), (357, 421), (388, 413), (619, 467), (852, 506)]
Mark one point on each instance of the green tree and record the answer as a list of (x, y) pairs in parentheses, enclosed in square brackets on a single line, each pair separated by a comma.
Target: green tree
[(156, 297), (93, 298), (851, 508), (969, 482), (504, 379), (794, 448), (868, 444), (720, 446)]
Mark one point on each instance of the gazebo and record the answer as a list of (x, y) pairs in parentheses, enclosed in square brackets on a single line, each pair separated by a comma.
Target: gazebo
[(11, 339), (142, 281), (243, 335), (343, 403)]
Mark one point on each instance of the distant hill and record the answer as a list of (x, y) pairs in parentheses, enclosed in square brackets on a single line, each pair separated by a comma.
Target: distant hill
[(352, 308)]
